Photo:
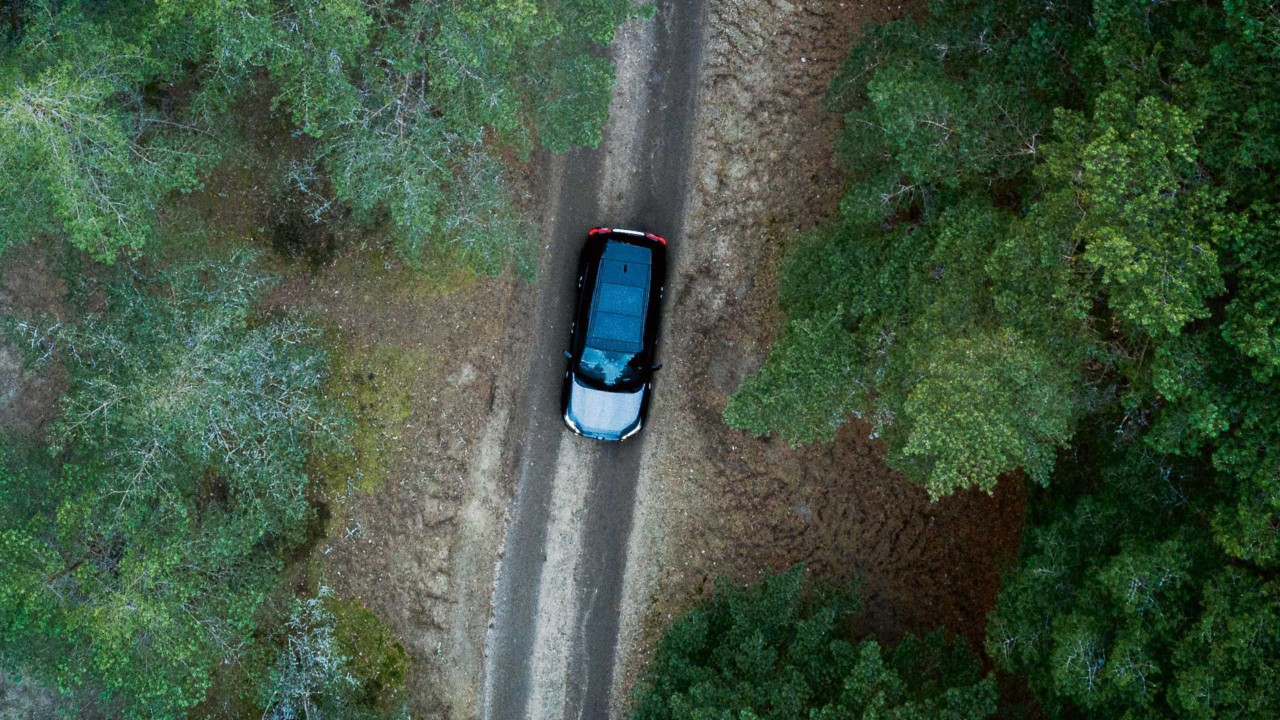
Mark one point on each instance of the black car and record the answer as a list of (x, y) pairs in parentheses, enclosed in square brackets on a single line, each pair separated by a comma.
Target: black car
[(615, 333)]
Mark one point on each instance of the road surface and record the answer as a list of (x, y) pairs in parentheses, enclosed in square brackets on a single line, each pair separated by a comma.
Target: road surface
[(550, 652)]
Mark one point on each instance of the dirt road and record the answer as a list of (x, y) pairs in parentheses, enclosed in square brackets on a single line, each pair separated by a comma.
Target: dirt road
[(551, 650)]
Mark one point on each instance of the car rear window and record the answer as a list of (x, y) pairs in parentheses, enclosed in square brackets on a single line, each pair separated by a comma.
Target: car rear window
[(621, 299)]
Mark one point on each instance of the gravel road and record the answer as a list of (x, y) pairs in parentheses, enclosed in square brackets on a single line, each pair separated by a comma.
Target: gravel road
[(550, 651)]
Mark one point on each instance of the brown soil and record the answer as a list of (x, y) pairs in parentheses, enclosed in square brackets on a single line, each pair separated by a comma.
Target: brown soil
[(416, 517), (410, 545), (29, 290), (723, 503)]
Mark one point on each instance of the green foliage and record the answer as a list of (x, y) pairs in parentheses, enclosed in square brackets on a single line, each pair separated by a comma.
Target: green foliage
[(770, 652), (310, 675), (1146, 221), (1057, 254), (1123, 606), (105, 110), (137, 553), (1225, 660), (407, 135), (801, 392), (337, 660), (81, 151), (961, 337), (1050, 216), (983, 405)]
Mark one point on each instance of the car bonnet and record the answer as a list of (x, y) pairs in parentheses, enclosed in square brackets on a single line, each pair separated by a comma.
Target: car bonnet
[(601, 412)]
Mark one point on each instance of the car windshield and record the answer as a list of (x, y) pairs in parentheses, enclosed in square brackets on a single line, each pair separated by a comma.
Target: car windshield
[(610, 369)]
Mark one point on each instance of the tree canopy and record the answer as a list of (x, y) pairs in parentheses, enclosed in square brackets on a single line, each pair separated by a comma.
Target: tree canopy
[(1124, 606), (773, 652), (106, 108), (1056, 255), (1051, 213), (136, 550)]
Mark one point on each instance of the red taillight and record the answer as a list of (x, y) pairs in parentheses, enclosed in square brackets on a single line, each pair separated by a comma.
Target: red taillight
[(599, 231), (658, 238)]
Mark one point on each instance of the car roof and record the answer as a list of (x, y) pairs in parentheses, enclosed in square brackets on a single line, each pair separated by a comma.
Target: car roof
[(621, 298)]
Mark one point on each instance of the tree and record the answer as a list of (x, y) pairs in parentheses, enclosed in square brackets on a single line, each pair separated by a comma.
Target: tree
[(408, 104), (1099, 227), (1056, 254), (923, 309), (81, 153), (336, 660), (1123, 606), (136, 555), (410, 134), (770, 652), (310, 670)]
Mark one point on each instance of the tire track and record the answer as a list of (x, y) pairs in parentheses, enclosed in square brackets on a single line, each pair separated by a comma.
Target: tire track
[(550, 651)]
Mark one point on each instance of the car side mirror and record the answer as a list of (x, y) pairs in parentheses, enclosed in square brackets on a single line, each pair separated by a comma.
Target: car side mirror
[(568, 355), (657, 367)]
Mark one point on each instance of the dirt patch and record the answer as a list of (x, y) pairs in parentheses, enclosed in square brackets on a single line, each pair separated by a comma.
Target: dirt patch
[(30, 289), (421, 368), (24, 699), (715, 501), (296, 235)]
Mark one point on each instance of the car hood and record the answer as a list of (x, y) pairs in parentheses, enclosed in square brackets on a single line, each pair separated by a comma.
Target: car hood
[(603, 414)]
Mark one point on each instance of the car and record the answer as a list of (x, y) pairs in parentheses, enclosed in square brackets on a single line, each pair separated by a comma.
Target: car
[(613, 341)]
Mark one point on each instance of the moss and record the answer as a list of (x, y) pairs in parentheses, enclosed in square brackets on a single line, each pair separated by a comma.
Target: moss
[(375, 385), (376, 660), (444, 274)]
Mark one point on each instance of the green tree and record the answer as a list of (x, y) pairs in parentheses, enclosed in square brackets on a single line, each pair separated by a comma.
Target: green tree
[(81, 153), (411, 133), (337, 660), (1056, 253), (1123, 605), (771, 652), (310, 675), (929, 309), (134, 557), (408, 105), (1113, 215)]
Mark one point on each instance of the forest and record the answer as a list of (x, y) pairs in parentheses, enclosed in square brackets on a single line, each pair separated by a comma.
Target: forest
[(151, 536), (1056, 261)]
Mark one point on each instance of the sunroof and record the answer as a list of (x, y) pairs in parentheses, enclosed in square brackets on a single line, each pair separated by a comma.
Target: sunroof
[(621, 297)]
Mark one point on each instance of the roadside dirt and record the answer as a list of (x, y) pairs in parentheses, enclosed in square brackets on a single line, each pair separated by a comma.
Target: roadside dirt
[(416, 544), (718, 502), (415, 518)]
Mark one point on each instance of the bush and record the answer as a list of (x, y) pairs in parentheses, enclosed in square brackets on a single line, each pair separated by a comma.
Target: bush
[(338, 660), (770, 652), (136, 554)]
